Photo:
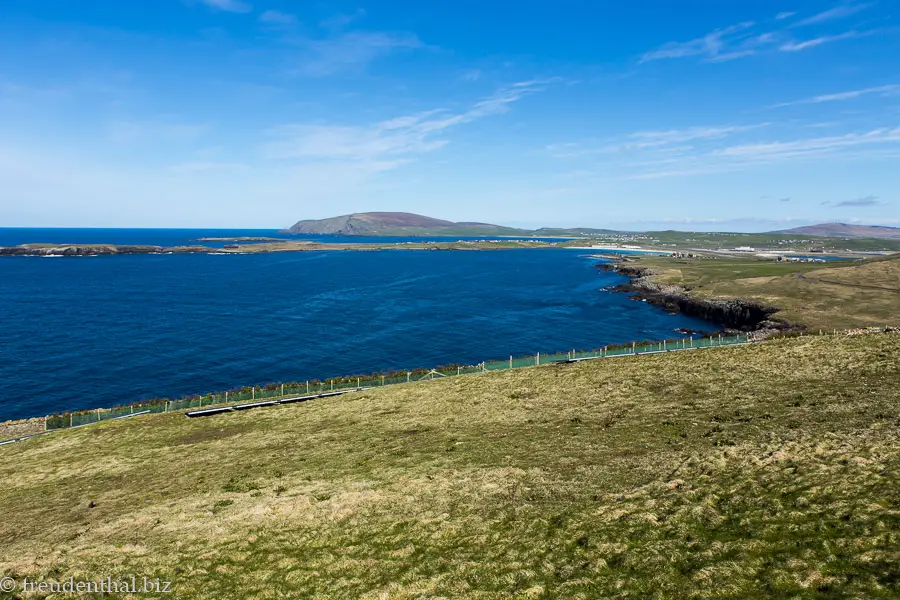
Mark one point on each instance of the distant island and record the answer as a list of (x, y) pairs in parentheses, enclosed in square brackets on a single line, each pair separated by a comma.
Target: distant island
[(409, 224)]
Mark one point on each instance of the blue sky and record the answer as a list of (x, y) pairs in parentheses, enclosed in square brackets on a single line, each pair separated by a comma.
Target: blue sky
[(258, 113)]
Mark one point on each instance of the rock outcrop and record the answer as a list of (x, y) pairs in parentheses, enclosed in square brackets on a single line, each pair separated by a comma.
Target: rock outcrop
[(744, 315)]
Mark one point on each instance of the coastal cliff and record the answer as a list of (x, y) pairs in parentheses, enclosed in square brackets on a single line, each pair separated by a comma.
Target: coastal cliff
[(735, 313)]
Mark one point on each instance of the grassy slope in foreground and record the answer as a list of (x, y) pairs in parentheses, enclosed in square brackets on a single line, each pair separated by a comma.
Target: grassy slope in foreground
[(761, 471), (815, 295)]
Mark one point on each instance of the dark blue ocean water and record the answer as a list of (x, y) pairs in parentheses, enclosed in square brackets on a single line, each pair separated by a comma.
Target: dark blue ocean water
[(101, 331)]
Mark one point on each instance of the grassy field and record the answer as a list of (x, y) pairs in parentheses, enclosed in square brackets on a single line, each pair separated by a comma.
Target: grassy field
[(815, 295), (686, 239), (761, 471)]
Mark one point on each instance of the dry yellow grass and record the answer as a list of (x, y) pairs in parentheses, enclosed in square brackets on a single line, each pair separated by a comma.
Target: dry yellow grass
[(761, 471), (837, 296)]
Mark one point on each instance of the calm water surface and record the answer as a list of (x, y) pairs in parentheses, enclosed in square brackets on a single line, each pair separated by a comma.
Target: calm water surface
[(87, 332)]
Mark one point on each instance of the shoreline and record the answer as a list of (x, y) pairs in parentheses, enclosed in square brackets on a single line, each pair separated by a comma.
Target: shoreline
[(72, 250), (734, 314), (300, 391)]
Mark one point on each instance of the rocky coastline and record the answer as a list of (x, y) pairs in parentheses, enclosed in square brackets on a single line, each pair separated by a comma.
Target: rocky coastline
[(732, 314), (97, 250)]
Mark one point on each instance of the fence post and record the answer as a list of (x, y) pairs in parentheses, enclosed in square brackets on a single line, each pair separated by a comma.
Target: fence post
[(408, 374), (226, 397), (307, 386), (98, 415), (510, 361), (166, 409), (282, 390), (253, 393), (537, 359), (633, 348), (458, 369), (357, 382), (382, 380), (132, 409), (70, 419)]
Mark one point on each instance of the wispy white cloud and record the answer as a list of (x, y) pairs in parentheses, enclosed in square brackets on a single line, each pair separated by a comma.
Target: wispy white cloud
[(236, 6), (709, 150), (805, 148), (864, 202), (710, 45), (352, 50), (693, 133), (796, 46), (470, 75), (838, 12), (745, 39), (342, 20), (661, 142), (276, 17), (728, 56), (882, 90), (391, 143)]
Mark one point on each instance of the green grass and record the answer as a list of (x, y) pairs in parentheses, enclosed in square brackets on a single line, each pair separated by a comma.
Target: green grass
[(762, 471), (686, 239), (839, 295)]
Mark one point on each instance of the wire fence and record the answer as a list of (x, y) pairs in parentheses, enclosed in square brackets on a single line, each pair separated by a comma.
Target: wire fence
[(276, 391)]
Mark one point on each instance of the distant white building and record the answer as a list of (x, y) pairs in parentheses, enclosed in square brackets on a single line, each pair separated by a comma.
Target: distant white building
[(744, 249)]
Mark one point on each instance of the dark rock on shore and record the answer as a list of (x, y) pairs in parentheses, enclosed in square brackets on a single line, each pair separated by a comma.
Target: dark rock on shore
[(743, 315)]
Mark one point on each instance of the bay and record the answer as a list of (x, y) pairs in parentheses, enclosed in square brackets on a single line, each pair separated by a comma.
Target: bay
[(86, 332)]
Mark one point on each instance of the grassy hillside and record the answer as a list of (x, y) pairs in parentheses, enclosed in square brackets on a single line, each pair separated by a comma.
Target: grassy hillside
[(764, 471), (847, 231), (783, 241), (858, 294)]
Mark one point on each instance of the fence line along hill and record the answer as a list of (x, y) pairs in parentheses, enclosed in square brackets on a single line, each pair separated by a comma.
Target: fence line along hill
[(755, 471)]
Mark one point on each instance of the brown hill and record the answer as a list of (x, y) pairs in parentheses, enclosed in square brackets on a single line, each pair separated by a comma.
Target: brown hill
[(399, 223), (847, 231)]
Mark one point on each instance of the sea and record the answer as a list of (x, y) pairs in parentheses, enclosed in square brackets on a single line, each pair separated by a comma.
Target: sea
[(97, 332)]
